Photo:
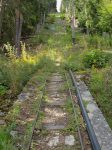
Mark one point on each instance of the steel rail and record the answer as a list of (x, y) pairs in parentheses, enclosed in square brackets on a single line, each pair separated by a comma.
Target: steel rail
[(37, 114), (78, 128), (91, 133)]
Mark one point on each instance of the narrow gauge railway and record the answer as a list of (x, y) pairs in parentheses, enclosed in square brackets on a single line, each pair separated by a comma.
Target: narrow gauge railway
[(91, 140)]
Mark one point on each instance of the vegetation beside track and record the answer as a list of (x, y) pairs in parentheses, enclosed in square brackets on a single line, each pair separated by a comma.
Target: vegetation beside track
[(94, 62), (91, 55), (40, 62), (22, 115), (55, 47)]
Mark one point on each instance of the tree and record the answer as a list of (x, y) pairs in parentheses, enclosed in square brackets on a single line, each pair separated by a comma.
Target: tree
[(1, 15), (94, 16), (19, 22), (21, 17)]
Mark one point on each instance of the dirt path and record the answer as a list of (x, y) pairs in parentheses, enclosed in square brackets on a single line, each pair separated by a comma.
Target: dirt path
[(52, 135)]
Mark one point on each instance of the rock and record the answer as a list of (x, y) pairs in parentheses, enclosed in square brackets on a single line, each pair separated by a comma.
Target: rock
[(69, 140), (1, 114), (86, 96), (2, 122), (90, 115), (53, 127), (91, 107), (13, 133), (23, 96), (54, 141)]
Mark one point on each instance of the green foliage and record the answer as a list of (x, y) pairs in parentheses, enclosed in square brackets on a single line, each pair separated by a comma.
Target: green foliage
[(68, 28), (62, 16), (14, 73), (97, 41), (5, 140), (94, 58), (72, 126), (34, 12), (73, 64), (94, 16), (3, 90), (101, 85), (105, 16), (50, 19)]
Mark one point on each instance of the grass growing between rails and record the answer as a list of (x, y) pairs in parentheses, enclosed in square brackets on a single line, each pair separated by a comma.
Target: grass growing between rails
[(22, 115), (15, 73), (4, 136), (54, 47), (90, 50)]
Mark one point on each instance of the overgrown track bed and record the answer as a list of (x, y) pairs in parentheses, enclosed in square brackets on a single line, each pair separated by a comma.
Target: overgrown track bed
[(91, 133), (98, 129), (59, 125), (82, 133)]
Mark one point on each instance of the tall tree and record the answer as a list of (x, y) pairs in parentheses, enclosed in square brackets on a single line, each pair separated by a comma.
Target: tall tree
[(12, 23), (1, 15)]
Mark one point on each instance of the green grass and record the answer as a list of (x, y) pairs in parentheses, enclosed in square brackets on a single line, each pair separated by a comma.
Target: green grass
[(101, 85), (72, 58), (14, 113), (100, 80), (72, 124), (15, 73), (5, 140)]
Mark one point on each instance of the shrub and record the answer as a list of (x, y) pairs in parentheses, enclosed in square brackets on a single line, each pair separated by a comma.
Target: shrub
[(50, 19), (3, 90), (98, 41), (73, 61), (95, 58), (101, 85), (5, 139), (62, 16), (105, 19)]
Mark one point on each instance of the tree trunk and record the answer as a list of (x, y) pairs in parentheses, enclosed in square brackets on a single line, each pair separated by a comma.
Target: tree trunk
[(19, 22), (1, 16), (17, 28), (73, 23), (86, 14), (19, 35), (44, 17)]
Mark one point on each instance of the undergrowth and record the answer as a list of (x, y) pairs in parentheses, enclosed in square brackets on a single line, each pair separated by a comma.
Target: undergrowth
[(92, 56), (101, 85), (14, 73)]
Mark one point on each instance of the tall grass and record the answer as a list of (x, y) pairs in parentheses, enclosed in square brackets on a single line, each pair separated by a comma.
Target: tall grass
[(100, 80), (98, 41), (14, 73), (101, 87)]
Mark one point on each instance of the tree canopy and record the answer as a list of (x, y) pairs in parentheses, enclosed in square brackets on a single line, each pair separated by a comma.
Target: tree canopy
[(95, 15), (33, 13)]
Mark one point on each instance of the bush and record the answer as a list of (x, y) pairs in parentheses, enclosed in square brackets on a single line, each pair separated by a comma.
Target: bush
[(95, 58), (98, 41), (3, 90), (50, 19), (105, 19), (62, 16), (101, 85), (68, 28), (14, 73)]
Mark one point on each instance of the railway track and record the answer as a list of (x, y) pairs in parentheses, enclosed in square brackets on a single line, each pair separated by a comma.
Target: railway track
[(50, 134)]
